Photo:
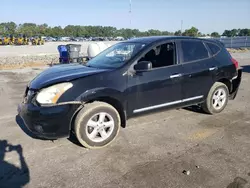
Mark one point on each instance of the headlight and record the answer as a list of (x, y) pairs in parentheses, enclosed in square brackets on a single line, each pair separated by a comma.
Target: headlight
[(50, 95)]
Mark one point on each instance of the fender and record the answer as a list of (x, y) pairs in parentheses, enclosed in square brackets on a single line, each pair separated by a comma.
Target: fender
[(104, 92), (100, 92)]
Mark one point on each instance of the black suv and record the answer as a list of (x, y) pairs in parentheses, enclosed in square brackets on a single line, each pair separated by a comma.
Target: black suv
[(94, 100)]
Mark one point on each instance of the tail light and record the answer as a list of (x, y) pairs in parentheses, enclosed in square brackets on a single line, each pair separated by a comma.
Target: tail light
[(235, 62)]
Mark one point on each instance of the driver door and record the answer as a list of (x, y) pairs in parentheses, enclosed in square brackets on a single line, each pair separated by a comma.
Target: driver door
[(160, 86)]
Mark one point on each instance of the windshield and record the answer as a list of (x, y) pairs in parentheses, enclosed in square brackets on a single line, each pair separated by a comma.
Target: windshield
[(115, 56)]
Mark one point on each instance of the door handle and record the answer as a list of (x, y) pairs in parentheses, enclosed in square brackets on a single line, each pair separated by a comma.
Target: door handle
[(212, 68), (175, 75)]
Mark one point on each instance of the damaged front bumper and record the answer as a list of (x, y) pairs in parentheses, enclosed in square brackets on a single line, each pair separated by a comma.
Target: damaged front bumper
[(50, 122)]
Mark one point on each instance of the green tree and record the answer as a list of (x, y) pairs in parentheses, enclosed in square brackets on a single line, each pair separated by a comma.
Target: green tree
[(166, 33), (29, 29), (126, 33), (69, 30), (11, 27), (234, 32), (8, 28), (153, 32), (231, 33), (226, 33), (244, 32), (42, 29), (57, 31), (178, 33), (193, 32), (199, 34), (215, 34), (2, 29)]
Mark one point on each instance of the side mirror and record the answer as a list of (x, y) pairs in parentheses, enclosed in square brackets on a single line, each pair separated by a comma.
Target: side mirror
[(143, 66)]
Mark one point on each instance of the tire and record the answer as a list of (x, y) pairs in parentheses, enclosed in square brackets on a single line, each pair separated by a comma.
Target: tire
[(209, 105), (83, 129)]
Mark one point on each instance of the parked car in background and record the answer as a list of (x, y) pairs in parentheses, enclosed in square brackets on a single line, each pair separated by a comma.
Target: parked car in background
[(50, 39), (119, 38), (131, 77)]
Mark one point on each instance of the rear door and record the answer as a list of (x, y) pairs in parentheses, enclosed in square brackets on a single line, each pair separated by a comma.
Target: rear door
[(199, 69)]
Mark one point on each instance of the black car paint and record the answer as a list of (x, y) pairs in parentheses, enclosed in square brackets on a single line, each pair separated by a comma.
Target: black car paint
[(155, 83), (132, 90), (61, 73), (57, 119)]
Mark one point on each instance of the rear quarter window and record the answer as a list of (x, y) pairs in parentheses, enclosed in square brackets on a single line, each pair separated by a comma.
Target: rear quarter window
[(193, 50), (213, 48)]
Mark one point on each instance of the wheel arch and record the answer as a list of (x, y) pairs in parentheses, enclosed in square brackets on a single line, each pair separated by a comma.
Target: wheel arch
[(107, 99), (227, 82), (117, 105)]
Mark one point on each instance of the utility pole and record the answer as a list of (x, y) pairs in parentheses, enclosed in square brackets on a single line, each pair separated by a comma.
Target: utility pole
[(181, 26), (130, 13)]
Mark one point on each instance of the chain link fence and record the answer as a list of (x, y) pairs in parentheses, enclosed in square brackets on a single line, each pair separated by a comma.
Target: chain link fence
[(235, 42)]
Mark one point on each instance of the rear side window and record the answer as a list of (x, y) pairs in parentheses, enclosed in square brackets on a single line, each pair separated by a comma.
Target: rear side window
[(214, 48), (193, 50)]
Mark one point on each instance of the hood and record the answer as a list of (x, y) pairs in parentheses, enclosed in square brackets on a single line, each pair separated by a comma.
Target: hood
[(62, 73)]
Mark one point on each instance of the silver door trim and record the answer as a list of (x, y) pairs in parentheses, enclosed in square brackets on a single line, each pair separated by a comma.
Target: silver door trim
[(166, 104), (175, 75), (212, 68)]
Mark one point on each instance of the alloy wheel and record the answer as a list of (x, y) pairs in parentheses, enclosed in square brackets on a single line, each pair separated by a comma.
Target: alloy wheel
[(219, 98), (99, 127)]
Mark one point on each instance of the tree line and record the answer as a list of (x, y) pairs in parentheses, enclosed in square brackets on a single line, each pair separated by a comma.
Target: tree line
[(32, 29)]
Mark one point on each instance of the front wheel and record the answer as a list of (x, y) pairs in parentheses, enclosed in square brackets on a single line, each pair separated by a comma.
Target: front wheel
[(217, 99), (97, 125)]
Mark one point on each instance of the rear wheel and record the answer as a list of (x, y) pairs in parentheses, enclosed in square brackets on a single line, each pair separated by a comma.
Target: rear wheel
[(217, 99), (97, 125)]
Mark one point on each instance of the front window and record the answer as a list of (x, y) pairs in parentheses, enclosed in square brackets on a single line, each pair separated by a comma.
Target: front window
[(115, 56)]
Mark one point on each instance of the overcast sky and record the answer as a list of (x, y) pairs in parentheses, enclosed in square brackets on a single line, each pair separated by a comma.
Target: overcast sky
[(206, 15)]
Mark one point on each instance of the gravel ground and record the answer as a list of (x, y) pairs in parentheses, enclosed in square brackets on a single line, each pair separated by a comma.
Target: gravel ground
[(15, 56), (153, 151), (49, 48)]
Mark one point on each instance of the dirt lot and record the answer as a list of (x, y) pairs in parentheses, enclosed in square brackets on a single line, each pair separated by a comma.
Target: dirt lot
[(152, 151), (15, 57), (49, 48)]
